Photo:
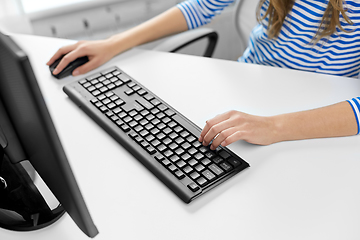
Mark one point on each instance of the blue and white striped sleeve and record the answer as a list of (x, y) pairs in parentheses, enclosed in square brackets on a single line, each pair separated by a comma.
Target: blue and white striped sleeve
[(355, 104), (200, 12)]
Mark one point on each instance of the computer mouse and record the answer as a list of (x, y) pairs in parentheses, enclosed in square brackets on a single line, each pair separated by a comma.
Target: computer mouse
[(69, 68)]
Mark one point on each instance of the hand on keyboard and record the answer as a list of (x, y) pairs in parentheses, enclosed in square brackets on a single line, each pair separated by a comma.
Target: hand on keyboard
[(231, 126)]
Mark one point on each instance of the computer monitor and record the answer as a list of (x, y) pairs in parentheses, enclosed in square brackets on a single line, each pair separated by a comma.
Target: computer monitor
[(28, 133)]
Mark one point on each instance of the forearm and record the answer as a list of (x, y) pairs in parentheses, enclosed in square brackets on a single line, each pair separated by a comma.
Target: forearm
[(170, 22), (331, 121)]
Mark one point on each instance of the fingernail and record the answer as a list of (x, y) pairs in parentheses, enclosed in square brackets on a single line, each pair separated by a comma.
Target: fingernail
[(55, 71), (200, 139), (212, 147), (76, 72), (204, 143)]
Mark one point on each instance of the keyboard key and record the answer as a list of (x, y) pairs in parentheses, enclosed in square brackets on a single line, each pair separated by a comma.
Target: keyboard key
[(215, 169), (133, 135), (161, 147), (155, 143), (192, 151), (172, 124), (179, 140), (141, 92), (224, 154), (160, 115), (185, 156), (109, 94), (227, 167), (155, 102), (167, 141), (125, 128), (190, 139), (154, 131), (124, 78), (206, 161), (202, 181), (131, 85), (209, 175), (155, 111), (172, 168), (196, 144), (194, 175), (166, 162), (174, 158), (193, 187), (173, 146), (169, 112), (188, 169), (178, 129), (144, 133), (198, 156), (149, 97), (192, 162), (136, 88), (151, 150), (179, 151), (184, 134), (103, 89), (210, 155), (185, 145), (162, 107), (234, 162), (145, 103), (150, 138), (217, 159), (179, 174), (129, 92), (180, 163), (168, 153), (173, 135)]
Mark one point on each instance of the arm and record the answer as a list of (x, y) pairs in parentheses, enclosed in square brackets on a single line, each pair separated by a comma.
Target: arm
[(187, 15), (331, 121), (99, 52)]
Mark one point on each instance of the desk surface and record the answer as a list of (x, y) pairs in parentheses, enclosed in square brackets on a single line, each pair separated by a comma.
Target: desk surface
[(293, 190)]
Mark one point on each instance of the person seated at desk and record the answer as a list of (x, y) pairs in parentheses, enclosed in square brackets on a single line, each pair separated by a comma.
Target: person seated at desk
[(320, 36)]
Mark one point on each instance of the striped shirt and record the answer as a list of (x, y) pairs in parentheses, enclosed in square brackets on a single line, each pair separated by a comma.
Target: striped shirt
[(339, 54)]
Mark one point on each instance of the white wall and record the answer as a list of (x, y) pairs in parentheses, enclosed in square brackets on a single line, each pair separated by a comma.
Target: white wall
[(100, 19)]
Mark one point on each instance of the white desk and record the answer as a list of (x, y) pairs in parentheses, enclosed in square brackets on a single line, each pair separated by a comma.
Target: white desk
[(293, 190)]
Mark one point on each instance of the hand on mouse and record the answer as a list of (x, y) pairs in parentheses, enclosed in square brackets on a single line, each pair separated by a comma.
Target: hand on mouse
[(231, 126), (98, 53)]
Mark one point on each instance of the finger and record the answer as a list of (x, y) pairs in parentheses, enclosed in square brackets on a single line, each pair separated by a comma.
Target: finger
[(222, 136), (92, 64), (68, 58), (60, 52), (212, 122), (216, 129), (232, 138)]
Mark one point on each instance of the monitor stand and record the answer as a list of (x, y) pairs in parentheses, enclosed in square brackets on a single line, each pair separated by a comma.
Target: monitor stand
[(22, 207)]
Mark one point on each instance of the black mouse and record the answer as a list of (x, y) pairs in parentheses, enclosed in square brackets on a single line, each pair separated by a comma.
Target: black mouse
[(69, 68)]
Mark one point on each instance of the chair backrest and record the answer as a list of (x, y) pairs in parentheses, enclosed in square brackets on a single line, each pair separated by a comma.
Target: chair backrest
[(245, 19)]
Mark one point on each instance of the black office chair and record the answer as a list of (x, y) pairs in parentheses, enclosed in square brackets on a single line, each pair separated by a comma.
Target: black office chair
[(244, 18)]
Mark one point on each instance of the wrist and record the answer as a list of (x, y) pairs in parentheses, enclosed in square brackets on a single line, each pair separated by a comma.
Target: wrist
[(278, 128), (115, 45)]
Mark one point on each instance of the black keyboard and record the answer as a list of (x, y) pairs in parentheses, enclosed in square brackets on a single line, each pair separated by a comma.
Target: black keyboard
[(155, 133)]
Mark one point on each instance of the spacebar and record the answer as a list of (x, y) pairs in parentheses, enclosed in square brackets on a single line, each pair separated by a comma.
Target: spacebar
[(194, 130)]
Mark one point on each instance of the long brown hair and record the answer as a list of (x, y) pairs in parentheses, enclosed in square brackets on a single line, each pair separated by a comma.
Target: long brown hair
[(278, 9)]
